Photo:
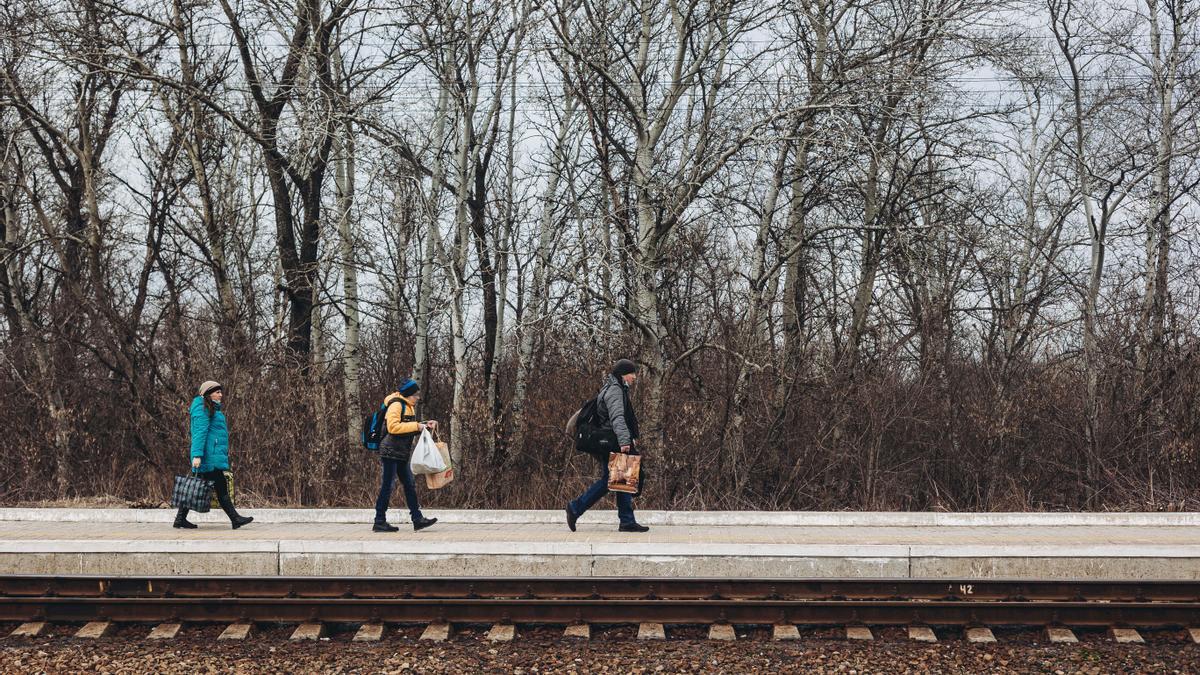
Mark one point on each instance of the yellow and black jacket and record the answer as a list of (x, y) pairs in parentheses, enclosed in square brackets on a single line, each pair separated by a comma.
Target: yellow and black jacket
[(402, 427)]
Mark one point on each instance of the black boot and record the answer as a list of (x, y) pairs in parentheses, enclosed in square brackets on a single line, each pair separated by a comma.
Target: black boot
[(182, 521), (235, 519), (633, 528), (423, 523), (384, 526)]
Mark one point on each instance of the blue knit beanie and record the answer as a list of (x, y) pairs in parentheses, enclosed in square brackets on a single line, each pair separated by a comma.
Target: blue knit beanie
[(409, 387)]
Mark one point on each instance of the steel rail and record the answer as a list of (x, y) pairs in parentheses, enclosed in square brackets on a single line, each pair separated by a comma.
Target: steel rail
[(565, 611), (978, 590), (600, 600)]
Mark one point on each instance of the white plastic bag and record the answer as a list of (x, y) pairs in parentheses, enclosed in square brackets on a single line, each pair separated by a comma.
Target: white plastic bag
[(425, 456)]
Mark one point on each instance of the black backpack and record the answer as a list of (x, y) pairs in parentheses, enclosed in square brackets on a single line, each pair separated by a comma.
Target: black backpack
[(589, 432), (374, 426)]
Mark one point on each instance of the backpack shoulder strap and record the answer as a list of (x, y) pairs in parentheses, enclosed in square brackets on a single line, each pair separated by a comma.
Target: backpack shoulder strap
[(388, 404), (600, 400)]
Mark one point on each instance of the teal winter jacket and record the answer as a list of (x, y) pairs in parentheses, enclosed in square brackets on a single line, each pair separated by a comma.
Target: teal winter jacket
[(210, 437)]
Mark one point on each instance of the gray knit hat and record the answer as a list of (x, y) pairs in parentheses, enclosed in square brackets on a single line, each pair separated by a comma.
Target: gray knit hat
[(208, 388)]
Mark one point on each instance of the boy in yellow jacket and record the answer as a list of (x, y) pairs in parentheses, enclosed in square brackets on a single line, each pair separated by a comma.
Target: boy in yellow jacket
[(395, 451)]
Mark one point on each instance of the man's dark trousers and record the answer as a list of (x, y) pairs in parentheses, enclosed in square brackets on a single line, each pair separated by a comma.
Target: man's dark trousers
[(391, 469), (597, 490)]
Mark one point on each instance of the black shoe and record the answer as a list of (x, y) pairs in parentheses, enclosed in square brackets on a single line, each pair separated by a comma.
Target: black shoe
[(423, 523), (384, 526), (181, 520), (571, 518), (633, 528), (235, 519)]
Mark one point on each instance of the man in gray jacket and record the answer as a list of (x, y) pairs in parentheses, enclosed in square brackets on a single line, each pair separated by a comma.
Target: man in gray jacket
[(613, 406)]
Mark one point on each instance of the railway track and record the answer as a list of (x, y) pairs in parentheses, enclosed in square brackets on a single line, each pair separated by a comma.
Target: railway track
[(593, 600)]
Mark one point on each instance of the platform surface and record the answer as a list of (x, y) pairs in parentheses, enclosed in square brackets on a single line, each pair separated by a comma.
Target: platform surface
[(339, 542)]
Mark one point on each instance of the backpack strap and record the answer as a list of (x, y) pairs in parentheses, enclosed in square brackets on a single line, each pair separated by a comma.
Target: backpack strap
[(387, 406), (600, 399)]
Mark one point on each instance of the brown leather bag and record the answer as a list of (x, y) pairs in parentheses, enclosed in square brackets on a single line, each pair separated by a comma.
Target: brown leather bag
[(624, 472)]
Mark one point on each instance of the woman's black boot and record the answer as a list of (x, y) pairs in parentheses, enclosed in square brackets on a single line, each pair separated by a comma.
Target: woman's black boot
[(235, 519), (182, 521)]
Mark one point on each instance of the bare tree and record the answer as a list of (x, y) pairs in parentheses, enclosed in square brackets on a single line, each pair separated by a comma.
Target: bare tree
[(870, 254), (669, 62), (1170, 23)]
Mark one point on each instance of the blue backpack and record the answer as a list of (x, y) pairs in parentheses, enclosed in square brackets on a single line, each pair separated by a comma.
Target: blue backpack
[(374, 427)]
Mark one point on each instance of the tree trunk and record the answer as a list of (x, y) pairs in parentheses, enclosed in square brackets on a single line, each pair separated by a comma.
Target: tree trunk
[(457, 274), (477, 208), (10, 277), (652, 353), (1158, 229), (193, 146), (872, 242), (504, 244), (1097, 225), (352, 360), (432, 243), (795, 285)]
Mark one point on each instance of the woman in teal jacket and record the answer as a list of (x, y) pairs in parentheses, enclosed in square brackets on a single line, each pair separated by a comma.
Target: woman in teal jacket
[(210, 451)]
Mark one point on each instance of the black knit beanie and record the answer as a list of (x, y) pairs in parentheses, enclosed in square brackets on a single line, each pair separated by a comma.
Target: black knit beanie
[(624, 367)]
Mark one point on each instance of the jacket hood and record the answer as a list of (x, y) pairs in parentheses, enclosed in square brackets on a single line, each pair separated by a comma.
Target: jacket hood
[(402, 397)]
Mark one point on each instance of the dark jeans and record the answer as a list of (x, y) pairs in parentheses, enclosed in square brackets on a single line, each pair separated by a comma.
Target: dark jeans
[(391, 469), (597, 490), (217, 478)]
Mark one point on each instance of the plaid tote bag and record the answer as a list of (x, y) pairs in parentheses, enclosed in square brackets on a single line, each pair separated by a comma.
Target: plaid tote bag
[(191, 492)]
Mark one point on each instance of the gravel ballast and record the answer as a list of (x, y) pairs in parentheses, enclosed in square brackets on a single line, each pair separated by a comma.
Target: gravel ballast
[(611, 650)]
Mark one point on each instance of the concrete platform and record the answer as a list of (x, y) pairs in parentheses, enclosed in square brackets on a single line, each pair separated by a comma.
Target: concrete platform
[(339, 542)]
